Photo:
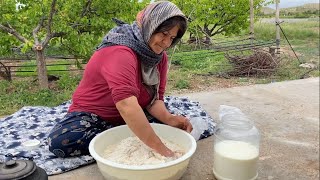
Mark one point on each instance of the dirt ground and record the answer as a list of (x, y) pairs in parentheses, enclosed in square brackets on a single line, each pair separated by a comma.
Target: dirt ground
[(287, 116)]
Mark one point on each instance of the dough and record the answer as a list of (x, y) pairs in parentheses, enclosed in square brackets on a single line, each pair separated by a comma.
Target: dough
[(132, 151)]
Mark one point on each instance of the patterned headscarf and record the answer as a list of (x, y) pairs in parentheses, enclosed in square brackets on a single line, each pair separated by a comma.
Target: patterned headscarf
[(155, 14), (137, 36)]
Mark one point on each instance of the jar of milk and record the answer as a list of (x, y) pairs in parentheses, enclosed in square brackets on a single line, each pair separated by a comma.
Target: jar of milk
[(236, 148)]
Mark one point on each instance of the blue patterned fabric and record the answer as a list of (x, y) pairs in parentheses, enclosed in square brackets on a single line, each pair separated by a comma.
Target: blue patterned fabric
[(72, 135), (36, 123)]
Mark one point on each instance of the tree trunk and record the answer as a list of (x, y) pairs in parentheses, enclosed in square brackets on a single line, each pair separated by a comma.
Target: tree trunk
[(207, 40), (192, 39), (42, 69)]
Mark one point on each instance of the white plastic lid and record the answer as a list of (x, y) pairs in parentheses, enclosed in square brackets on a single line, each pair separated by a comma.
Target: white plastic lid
[(31, 144)]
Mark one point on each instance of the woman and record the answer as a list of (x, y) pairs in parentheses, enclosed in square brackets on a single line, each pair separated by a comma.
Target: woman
[(123, 81)]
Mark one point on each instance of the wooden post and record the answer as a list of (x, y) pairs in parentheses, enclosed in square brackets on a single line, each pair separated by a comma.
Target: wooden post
[(277, 27), (251, 22)]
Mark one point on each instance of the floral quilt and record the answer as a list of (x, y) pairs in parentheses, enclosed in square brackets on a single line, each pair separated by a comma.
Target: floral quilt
[(35, 122)]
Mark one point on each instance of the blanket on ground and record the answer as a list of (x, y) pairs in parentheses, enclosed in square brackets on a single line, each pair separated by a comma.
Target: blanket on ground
[(35, 122)]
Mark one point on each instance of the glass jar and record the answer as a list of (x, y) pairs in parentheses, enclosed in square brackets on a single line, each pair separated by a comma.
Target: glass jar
[(236, 148)]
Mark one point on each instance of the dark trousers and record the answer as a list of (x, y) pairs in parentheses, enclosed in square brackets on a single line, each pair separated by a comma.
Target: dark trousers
[(72, 135)]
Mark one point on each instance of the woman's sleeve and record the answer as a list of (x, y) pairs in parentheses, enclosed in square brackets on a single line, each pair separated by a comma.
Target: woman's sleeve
[(163, 71), (120, 72)]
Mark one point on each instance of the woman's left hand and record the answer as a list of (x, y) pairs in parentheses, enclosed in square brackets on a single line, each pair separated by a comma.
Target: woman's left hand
[(180, 122)]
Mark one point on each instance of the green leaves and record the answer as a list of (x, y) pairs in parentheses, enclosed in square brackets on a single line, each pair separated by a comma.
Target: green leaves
[(82, 23), (212, 17)]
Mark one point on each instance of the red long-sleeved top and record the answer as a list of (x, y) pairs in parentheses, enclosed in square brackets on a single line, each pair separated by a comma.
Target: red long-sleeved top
[(111, 75)]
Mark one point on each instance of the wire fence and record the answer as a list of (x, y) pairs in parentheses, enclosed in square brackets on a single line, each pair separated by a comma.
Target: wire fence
[(11, 68)]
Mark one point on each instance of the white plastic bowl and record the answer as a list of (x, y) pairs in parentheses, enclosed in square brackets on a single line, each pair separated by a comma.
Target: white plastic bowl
[(169, 170)]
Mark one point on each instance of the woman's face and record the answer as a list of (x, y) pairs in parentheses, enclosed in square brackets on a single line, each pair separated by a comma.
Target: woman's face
[(163, 40)]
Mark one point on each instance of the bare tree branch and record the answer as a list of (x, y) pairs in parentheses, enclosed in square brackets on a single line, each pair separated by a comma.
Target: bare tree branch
[(206, 29), (53, 35), (52, 11), (37, 29), (50, 18), (13, 32), (214, 26), (58, 34), (221, 29), (200, 29), (218, 23), (86, 8)]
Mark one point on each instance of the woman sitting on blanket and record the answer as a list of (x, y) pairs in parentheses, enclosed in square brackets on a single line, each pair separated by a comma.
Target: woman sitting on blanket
[(124, 83)]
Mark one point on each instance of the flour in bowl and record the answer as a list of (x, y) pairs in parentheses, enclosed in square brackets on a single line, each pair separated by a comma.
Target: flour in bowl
[(132, 151)]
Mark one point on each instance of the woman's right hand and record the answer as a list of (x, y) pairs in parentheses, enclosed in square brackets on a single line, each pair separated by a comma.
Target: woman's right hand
[(135, 118), (163, 150), (168, 153)]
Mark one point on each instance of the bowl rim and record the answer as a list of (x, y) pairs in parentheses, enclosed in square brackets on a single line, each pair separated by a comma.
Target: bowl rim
[(187, 155)]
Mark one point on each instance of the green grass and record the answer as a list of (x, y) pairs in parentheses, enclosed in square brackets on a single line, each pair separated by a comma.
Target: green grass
[(306, 30), (19, 93), (182, 84), (200, 62), (290, 70), (304, 39), (52, 70), (178, 79)]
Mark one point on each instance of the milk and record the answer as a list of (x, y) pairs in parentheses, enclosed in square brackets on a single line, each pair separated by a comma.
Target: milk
[(235, 160)]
